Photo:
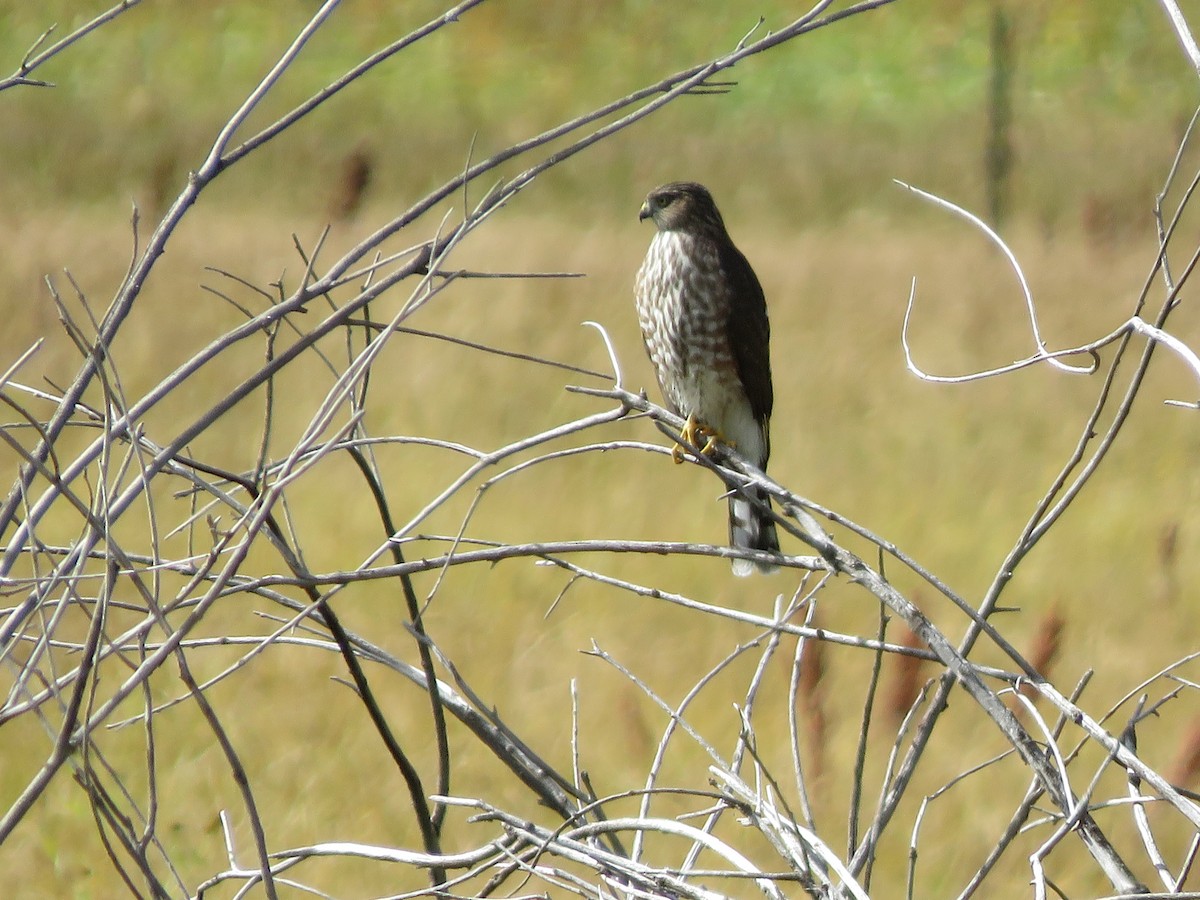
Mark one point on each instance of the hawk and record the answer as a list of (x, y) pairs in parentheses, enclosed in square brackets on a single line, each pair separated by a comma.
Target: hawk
[(704, 322)]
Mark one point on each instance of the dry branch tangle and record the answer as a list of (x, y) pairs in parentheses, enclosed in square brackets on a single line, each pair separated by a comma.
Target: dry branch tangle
[(98, 576)]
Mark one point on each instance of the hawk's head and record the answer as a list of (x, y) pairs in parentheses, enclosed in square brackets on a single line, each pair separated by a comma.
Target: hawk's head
[(682, 206)]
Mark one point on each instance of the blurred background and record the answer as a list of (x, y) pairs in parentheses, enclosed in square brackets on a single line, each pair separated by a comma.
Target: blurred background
[(1094, 92), (1055, 122)]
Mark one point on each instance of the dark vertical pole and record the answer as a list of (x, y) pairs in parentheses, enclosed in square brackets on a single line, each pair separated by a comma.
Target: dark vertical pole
[(998, 153)]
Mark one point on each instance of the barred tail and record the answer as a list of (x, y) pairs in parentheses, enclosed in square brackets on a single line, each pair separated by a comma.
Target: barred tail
[(751, 528)]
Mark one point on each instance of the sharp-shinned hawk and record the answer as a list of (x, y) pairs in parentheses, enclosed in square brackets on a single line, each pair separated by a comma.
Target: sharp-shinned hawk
[(704, 321)]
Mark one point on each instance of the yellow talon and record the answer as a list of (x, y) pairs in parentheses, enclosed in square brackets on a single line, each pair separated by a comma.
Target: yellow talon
[(699, 435)]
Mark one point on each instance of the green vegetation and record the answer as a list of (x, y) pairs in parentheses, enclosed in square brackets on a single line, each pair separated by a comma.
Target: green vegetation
[(833, 117), (800, 154)]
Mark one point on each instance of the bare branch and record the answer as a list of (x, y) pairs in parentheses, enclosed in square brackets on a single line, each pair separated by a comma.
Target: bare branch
[(36, 56)]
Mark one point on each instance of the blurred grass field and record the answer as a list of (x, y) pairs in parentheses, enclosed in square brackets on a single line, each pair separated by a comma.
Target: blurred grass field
[(800, 156)]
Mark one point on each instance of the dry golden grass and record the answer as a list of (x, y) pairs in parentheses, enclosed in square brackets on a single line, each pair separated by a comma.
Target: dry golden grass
[(799, 156), (948, 473)]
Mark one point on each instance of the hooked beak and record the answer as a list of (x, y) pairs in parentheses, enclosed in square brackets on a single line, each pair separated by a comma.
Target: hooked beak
[(644, 213)]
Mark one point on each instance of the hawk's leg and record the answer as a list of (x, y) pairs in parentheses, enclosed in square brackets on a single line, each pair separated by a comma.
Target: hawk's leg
[(699, 435)]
